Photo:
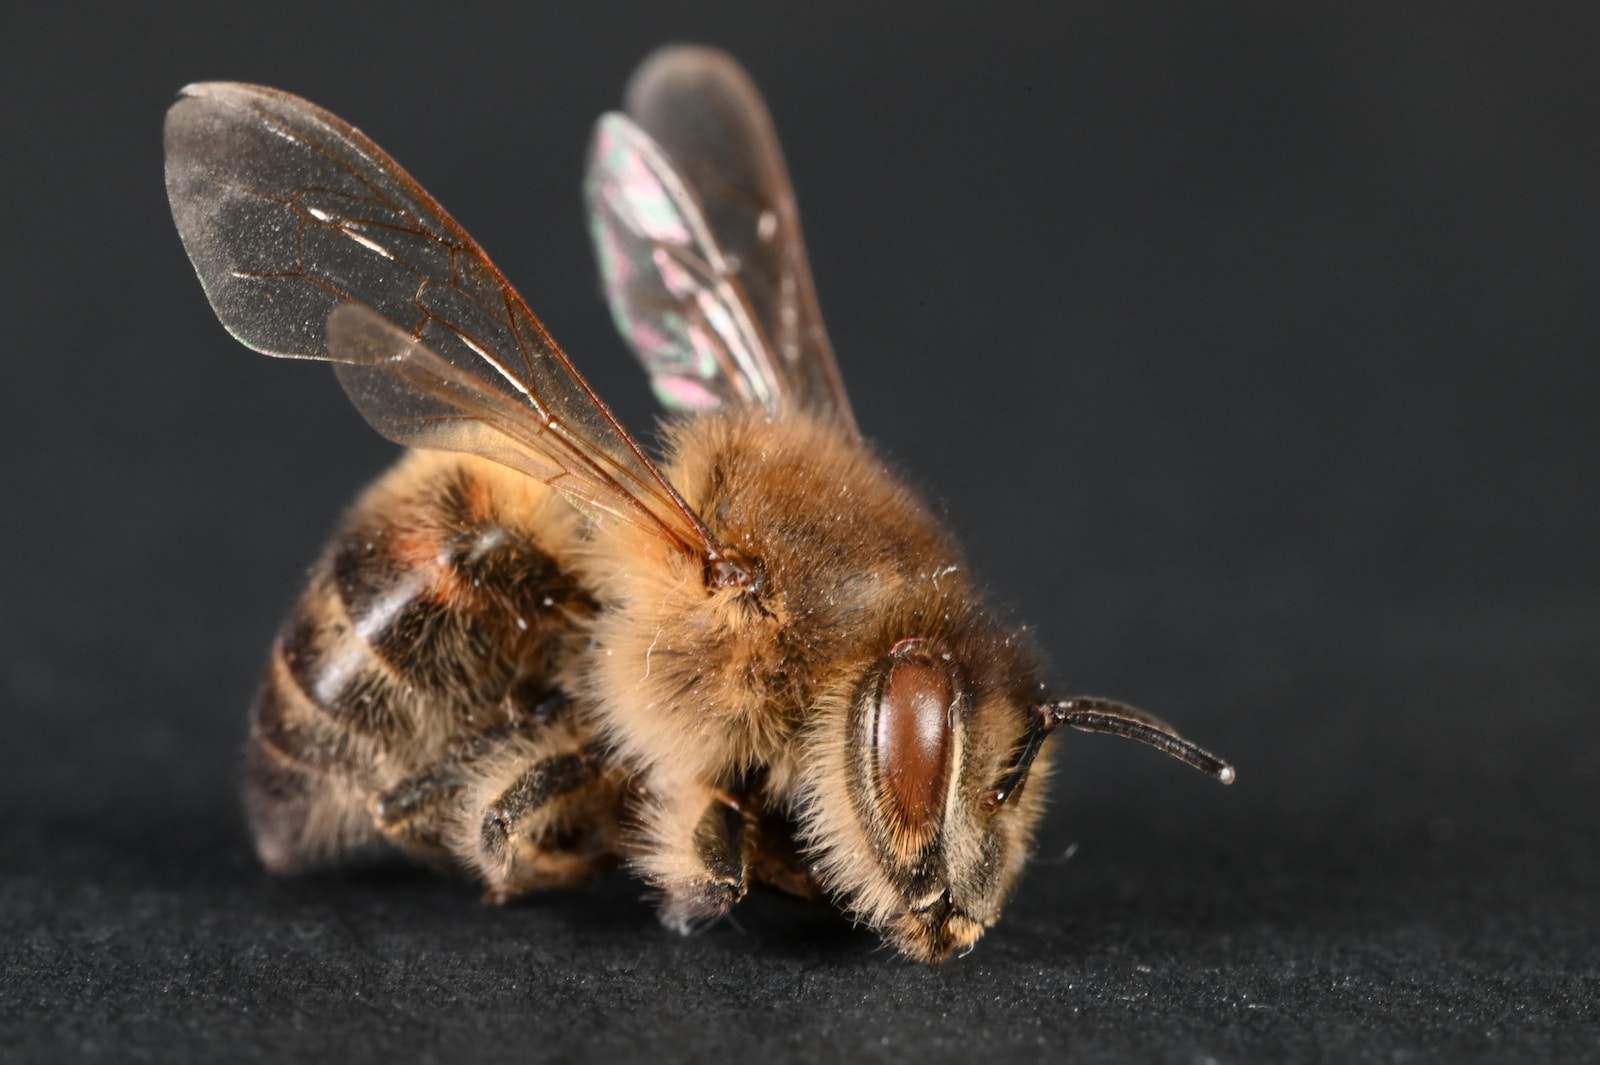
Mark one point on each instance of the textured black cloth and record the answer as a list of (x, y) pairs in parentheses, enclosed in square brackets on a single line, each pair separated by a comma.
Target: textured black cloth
[(1253, 353)]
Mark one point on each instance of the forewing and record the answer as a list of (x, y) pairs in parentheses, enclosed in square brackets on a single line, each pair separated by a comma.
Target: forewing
[(291, 216), (415, 397), (696, 226)]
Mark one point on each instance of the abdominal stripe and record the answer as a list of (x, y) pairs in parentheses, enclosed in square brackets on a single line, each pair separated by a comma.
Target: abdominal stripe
[(419, 616), (409, 614), (292, 728)]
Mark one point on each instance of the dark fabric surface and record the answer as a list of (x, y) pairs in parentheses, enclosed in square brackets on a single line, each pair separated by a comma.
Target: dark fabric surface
[(1252, 353)]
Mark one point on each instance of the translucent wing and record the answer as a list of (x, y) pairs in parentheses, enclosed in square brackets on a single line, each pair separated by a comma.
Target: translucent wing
[(698, 236), (416, 397), (311, 242)]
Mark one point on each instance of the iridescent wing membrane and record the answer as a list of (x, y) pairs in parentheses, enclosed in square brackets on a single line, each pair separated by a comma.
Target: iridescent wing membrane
[(698, 236), (311, 242)]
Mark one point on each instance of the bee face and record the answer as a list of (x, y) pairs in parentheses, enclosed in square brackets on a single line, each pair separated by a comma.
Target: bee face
[(902, 801)]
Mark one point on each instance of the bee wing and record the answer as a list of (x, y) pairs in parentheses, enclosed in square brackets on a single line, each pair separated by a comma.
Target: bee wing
[(311, 242), (698, 236)]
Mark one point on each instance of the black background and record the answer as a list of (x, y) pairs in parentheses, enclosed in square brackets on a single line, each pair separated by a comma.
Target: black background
[(1251, 349)]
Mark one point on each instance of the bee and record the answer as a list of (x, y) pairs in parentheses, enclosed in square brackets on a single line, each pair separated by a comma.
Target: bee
[(530, 649)]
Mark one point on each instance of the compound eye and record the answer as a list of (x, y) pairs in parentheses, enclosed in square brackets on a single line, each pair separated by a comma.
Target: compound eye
[(912, 734)]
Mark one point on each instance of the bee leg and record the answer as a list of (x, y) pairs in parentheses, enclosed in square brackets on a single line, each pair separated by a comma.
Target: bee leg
[(702, 868), (543, 828), (414, 813), (405, 811), (776, 861), (411, 814), (524, 809)]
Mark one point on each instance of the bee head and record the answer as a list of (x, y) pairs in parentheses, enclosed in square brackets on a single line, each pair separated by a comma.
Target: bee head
[(925, 787), (899, 811)]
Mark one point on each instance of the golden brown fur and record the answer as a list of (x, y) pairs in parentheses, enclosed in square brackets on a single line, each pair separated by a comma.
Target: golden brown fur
[(766, 663), (699, 690), (391, 713), (411, 669)]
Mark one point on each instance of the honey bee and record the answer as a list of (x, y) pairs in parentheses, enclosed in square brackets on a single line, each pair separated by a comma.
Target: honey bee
[(531, 649)]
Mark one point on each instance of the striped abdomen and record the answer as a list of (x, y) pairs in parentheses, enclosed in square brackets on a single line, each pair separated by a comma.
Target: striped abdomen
[(439, 616)]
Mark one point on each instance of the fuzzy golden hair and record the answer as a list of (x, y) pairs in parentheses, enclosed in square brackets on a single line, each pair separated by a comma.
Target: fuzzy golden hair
[(762, 662), (696, 690)]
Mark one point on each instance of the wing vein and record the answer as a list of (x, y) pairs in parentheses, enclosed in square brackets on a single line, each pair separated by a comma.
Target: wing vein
[(428, 337)]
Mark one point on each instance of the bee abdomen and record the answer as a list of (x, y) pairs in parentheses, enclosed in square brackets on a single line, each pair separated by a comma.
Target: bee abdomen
[(296, 729), (304, 779), (428, 610)]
